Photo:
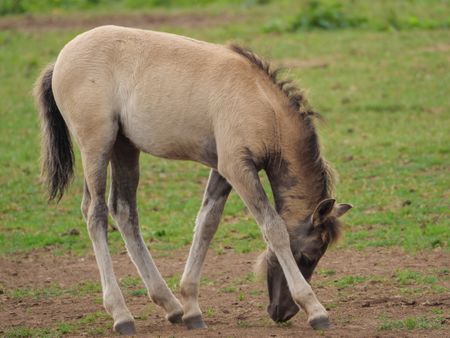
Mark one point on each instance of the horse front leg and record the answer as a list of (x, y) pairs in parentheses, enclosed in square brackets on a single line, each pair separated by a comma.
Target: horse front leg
[(243, 176), (208, 219)]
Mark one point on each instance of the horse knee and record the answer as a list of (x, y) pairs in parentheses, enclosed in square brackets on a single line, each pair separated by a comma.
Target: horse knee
[(275, 233)]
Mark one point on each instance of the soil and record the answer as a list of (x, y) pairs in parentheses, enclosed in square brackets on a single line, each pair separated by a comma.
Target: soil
[(142, 20), (355, 311)]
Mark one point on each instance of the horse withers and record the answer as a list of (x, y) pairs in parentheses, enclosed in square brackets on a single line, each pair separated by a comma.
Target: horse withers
[(120, 91)]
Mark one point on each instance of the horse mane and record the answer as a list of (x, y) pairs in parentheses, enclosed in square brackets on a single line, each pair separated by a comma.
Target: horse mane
[(299, 103), (297, 99)]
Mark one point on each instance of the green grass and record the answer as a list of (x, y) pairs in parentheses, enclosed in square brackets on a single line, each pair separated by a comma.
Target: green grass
[(383, 93), (411, 323), (11, 7), (409, 277), (93, 324), (51, 291), (348, 281), (327, 272)]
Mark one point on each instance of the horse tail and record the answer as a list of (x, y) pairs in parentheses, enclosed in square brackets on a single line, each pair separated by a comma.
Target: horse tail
[(57, 158)]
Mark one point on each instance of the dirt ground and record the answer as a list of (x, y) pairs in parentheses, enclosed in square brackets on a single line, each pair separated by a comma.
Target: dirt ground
[(185, 20), (355, 310)]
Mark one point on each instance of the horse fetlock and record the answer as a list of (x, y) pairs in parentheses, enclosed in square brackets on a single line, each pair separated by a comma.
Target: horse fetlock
[(168, 302), (192, 313), (309, 302), (188, 290), (114, 303)]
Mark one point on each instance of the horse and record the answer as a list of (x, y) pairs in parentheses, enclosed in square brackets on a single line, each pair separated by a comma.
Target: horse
[(122, 91)]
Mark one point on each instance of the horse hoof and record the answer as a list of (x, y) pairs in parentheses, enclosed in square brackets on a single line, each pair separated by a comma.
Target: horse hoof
[(320, 323), (175, 318), (195, 322), (125, 327)]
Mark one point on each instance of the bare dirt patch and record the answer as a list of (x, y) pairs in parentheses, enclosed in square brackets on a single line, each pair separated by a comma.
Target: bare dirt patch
[(53, 22), (233, 303), (439, 48)]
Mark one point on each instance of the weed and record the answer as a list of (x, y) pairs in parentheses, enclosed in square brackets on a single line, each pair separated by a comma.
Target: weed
[(86, 288), (326, 272), (324, 15), (130, 281), (437, 311), (284, 324), (348, 281), (228, 289), (24, 332), (241, 296), (173, 281), (138, 292), (47, 292), (210, 311), (410, 323), (334, 15), (409, 277), (65, 328)]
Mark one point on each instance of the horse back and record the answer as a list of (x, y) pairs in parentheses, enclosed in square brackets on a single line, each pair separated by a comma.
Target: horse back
[(172, 96)]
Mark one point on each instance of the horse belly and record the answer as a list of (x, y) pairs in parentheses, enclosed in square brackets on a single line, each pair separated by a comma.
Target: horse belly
[(172, 135)]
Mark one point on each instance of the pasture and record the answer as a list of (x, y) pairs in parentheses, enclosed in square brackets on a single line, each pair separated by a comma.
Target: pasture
[(379, 74)]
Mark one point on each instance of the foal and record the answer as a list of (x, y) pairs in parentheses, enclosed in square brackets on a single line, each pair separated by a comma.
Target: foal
[(120, 91)]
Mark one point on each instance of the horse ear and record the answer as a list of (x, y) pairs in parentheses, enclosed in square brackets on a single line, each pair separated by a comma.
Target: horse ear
[(341, 209), (323, 210)]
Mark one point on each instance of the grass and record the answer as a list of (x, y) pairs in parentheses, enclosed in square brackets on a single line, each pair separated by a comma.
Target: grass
[(348, 281), (93, 324), (384, 94), (409, 277), (378, 16), (411, 323), (11, 7), (52, 291)]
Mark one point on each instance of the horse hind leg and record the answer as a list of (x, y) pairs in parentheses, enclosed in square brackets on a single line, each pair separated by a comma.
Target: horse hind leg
[(122, 206), (95, 153)]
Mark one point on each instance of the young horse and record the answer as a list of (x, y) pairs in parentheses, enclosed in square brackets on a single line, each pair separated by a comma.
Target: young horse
[(120, 91)]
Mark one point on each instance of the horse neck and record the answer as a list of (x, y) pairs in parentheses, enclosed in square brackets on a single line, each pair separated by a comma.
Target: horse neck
[(299, 176)]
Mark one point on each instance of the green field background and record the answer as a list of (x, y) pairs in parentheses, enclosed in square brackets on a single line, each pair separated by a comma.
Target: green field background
[(378, 71)]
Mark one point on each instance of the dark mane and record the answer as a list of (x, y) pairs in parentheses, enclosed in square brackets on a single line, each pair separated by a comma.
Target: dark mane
[(296, 96), (298, 101)]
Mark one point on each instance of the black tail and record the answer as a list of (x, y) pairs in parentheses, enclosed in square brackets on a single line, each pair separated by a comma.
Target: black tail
[(57, 153)]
